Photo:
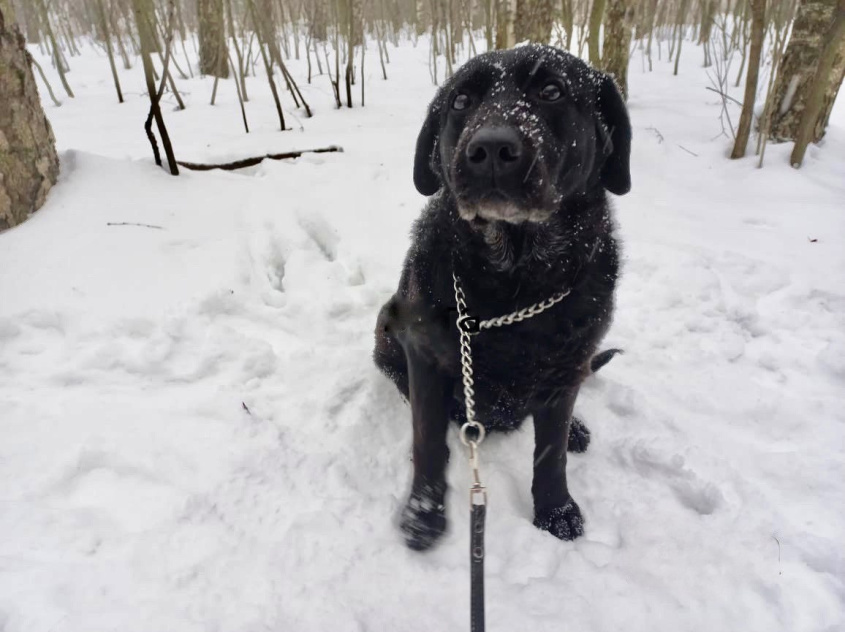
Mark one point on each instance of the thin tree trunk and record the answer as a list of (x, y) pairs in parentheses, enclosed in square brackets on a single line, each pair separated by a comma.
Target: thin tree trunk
[(104, 26), (146, 33), (617, 43), (60, 63), (52, 94), (596, 18), (758, 28)]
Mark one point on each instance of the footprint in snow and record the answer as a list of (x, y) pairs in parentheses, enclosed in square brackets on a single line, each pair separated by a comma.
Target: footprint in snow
[(693, 493), (321, 233)]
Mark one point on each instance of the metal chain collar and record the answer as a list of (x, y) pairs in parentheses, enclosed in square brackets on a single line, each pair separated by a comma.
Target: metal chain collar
[(469, 326)]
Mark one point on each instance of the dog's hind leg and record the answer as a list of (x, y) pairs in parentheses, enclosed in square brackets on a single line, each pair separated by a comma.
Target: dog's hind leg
[(423, 519), (554, 509), (388, 353)]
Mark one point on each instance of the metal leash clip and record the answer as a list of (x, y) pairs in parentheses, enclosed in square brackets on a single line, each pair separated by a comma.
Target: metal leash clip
[(477, 491)]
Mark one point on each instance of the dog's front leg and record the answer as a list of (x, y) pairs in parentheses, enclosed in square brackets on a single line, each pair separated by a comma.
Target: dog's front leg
[(424, 518), (554, 509)]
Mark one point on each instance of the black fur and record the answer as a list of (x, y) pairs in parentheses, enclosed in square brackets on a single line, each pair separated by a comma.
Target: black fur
[(518, 220)]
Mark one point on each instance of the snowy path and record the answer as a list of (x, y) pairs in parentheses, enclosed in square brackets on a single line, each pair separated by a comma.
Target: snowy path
[(193, 437)]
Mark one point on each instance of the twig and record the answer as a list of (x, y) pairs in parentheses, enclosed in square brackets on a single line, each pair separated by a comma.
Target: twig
[(656, 131), (780, 572), (134, 224), (251, 162), (723, 95), (681, 146)]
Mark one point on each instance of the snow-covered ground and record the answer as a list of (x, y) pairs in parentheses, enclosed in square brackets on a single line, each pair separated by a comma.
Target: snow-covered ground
[(193, 437)]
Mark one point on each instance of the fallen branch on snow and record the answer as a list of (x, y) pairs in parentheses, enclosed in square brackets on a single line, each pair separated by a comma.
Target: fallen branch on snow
[(134, 224), (251, 162)]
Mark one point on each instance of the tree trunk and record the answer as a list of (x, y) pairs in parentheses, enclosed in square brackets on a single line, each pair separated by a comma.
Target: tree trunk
[(28, 15), (596, 18), (798, 68), (212, 37), (29, 165), (758, 28), (617, 42), (834, 41), (534, 21), (505, 17)]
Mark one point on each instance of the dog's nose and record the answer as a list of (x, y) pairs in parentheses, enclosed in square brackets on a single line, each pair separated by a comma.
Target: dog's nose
[(494, 149)]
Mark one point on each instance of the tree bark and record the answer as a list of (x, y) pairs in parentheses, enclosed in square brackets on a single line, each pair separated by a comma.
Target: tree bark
[(505, 17), (596, 17), (758, 28), (534, 21), (212, 37), (834, 40), (29, 165), (798, 69), (617, 42)]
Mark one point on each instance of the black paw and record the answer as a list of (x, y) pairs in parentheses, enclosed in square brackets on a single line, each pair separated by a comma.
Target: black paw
[(423, 520), (579, 436), (563, 522)]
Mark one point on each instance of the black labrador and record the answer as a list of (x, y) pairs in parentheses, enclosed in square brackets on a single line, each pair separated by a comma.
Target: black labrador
[(517, 150)]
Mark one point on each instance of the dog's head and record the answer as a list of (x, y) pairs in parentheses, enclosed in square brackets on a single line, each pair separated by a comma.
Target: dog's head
[(515, 133)]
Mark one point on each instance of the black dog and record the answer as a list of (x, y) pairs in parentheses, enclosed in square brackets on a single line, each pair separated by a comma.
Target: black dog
[(518, 149)]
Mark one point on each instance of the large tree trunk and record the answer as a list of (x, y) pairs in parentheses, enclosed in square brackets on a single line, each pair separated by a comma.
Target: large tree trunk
[(617, 42), (505, 17), (758, 32), (798, 69), (834, 42), (212, 36), (534, 21), (29, 165)]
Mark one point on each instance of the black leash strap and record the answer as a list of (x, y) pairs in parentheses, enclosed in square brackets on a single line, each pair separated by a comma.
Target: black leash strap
[(478, 512)]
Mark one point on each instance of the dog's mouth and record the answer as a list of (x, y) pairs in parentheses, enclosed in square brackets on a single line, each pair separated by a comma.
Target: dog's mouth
[(495, 206)]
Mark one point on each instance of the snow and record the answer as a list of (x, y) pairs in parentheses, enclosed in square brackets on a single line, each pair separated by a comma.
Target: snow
[(193, 436)]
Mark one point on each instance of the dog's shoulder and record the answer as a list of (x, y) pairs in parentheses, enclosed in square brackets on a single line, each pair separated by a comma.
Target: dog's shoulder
[(428, 265)]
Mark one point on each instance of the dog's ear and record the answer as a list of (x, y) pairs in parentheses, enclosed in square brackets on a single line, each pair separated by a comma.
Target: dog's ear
[(426, 171), (614, 137)]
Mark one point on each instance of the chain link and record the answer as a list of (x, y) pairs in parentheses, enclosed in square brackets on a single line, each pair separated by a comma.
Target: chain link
[(524, 314), (466, 329)]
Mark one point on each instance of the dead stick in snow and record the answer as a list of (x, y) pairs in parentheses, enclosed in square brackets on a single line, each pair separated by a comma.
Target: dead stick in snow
[(251, 162), (134, 224)]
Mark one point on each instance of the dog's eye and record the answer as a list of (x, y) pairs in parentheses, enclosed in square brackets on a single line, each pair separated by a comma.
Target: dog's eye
[(551, 92), (461, 102)]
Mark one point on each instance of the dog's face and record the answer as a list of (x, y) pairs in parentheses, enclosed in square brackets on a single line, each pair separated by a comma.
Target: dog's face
[(515, 133)]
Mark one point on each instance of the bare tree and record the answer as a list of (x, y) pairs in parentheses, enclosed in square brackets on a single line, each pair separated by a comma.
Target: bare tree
[(815, 101), (212, 37), (505, 17), (798, 70), (534, 21), (617, 42), (29, 165), (758, 32), (596, 18)]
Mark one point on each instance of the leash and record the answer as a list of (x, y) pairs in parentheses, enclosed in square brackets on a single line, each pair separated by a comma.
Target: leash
[(469, 326)]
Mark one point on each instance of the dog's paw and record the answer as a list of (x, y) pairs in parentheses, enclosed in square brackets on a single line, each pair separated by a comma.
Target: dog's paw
[(423, 521), (563, 522), (579, 436)]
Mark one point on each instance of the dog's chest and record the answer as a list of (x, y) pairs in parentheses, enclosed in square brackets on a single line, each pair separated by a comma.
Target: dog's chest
[(520, 366)]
